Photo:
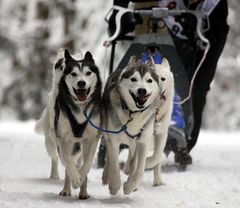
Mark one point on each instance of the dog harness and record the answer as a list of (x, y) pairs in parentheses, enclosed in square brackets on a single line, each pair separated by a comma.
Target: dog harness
[(125, 107), (124, 127), (77, 129)]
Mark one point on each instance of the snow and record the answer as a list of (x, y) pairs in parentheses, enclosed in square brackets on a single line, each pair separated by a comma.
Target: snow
[(212, 181)]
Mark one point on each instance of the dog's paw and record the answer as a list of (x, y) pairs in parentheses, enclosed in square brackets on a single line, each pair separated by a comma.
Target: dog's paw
[(65, 192), (114, 188), (113, 191), (128, 188), (158, 182), (54, 176), (83, 196)]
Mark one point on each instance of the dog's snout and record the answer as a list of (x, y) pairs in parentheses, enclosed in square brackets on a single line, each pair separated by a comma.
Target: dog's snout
[(142, 92), (81, 84)]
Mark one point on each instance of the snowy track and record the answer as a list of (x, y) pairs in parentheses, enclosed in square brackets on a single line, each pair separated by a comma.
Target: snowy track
[(212, 181)]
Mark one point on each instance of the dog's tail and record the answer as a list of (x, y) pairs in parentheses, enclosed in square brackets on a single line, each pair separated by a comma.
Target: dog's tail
[(39, 126)]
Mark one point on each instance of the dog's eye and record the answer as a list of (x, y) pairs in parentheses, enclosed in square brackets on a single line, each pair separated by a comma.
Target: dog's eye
[(133, 79), (73, 74), (163, 78), (149, 80), (88, 73)]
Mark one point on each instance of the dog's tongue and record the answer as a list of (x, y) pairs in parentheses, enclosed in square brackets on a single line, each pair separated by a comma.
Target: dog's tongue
[(81, 94), (142, 100)]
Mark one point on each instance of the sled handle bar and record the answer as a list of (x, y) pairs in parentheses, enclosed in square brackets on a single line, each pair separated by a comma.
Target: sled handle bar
[(156, 12)]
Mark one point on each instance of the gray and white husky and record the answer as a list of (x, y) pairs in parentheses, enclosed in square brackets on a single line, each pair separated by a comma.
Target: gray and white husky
[(75, 98), (129, 99)]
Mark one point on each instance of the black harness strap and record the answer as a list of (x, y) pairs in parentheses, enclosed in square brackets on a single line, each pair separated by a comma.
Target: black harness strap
[(77, 129)]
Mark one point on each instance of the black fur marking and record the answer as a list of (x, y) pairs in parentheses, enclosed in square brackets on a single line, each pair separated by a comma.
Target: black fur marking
[(88, 56), (59, 64), (76, 148), (142, 69), (65, 97), (57, 113), (77, 128), (58, 150)]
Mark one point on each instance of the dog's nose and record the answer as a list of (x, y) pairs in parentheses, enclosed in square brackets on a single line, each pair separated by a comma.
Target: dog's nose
[(81, 84), (142, 92)]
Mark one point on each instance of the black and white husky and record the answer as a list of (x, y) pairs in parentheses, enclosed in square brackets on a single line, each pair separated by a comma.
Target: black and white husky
[(130, 99), (75, 97)]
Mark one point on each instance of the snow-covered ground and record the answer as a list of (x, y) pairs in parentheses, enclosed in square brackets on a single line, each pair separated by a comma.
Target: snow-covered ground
[(212, 181)]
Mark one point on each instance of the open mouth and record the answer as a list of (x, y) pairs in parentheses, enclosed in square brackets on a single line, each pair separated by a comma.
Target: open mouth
[(139, 100), (82, 94)]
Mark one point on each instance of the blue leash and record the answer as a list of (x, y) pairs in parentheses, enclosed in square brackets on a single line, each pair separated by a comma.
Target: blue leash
[(124, 127)]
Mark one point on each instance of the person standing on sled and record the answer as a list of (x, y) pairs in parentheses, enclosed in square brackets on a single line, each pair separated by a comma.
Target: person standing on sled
[(217, 11)]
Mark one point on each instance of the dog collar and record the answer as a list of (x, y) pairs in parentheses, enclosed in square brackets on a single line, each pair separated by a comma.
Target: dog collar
[(136, 136)]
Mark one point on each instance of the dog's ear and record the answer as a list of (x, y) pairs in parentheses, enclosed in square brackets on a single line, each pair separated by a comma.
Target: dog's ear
[(150, 62), (67, 55), (132, 61), (88, 56), (165, 63)]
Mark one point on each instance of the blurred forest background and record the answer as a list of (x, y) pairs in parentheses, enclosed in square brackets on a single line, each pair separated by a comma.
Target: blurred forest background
[(31, 32)]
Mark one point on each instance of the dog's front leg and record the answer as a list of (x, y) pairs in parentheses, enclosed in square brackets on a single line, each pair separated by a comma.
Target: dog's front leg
[(160, 139), (157, 181), (68, 162), (67, 186), (105, 174), (135, 179), (130, 161), (156, 160), (89, 149), (83, 194), (114, 172), (159, 145), (52, 152)]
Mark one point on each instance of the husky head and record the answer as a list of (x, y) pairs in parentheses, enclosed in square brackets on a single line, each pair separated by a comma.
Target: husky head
[(165, 75), (138, 84), (80, 80)]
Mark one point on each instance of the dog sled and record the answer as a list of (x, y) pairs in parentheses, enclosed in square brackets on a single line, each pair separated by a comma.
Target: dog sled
[(124, 24)]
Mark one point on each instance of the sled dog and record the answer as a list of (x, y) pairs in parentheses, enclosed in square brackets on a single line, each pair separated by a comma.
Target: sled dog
[(74, 99), (162, 122), (46, 123), (129, 99)]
